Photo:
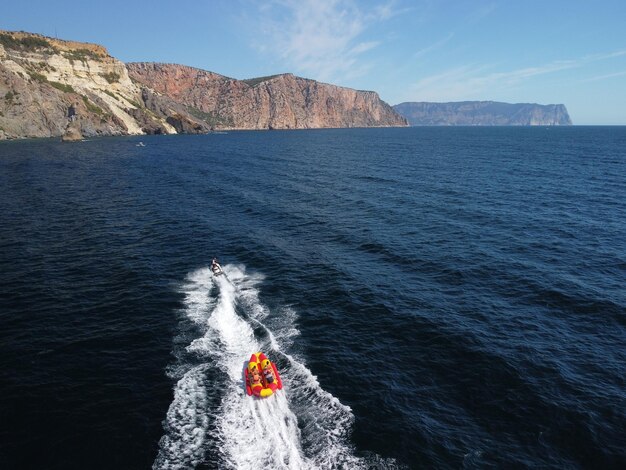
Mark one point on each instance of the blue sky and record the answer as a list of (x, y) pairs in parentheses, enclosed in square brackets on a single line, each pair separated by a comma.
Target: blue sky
[(550, 51)]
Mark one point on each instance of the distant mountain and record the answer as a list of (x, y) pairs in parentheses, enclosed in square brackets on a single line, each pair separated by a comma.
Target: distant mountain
[(52, 88), (275, 102), (483, 113)]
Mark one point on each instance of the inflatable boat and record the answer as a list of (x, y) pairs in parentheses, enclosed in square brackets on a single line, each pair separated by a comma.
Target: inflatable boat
[(261, 376)]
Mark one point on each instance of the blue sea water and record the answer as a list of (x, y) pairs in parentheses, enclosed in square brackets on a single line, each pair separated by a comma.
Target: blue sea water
[(433, 298)]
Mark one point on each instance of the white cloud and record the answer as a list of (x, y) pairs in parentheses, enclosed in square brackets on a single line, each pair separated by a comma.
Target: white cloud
[(603, 56), (604, 77), (363, 47), (320, 39), (470, 81), (433, 47)]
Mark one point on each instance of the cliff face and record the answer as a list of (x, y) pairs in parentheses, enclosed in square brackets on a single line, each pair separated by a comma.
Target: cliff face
[(275, 102), (50, 88), (484, 113)]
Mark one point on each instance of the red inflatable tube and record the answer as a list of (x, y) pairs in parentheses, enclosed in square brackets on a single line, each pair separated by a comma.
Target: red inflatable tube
[(261, 376)]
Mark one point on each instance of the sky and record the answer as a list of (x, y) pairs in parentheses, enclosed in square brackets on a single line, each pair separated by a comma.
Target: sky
[(548, 52)]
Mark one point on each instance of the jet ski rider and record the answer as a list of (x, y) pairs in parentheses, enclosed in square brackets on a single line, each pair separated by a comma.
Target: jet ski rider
[(215, 266)]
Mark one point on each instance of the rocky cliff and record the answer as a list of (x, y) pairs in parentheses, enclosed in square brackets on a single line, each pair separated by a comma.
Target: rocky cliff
[(275, 102), (49, 86), (484, 113)]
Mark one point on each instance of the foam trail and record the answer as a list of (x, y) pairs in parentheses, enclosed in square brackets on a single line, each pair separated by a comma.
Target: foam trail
[(325, 423), (251, 432), (227, 342), (186, 423), (212, 418)]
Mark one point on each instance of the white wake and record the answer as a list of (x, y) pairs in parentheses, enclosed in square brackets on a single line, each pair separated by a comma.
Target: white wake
[(213, 421)]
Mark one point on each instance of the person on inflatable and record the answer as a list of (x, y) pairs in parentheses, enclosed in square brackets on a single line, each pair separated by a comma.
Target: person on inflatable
[(268, 371), (254, 375), (256, 378)]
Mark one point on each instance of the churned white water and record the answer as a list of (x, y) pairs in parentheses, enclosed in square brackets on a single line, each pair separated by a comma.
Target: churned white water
[(211, 418)]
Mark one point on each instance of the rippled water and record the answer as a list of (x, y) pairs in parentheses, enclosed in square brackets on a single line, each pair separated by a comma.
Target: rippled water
[(433, 297)]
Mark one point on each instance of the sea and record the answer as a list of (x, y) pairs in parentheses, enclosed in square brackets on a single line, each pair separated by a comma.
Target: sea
[(432, 297)]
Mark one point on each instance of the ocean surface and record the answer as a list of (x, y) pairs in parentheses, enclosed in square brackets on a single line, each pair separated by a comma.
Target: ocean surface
[(433, 298)]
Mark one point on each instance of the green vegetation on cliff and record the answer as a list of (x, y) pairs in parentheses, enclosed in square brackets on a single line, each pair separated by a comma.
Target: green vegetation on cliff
[(133, 102), (255, 81), (111, 77), (9, 96), (92, 107), (82, 55), (212, 119), (29, 43), (43, 79), (110, 93), (37, 76), (62, 86)]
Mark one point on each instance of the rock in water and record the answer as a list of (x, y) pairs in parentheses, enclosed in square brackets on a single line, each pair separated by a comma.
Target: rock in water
[(72, 133)]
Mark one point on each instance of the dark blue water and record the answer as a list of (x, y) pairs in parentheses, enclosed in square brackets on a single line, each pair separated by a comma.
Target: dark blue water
[(434, 298)]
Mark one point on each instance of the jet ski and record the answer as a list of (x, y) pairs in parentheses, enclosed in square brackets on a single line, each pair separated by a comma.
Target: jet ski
[(217, 269)]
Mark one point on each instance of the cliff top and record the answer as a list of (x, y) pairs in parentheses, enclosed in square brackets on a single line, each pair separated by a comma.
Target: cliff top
[(477, 102), (251, 82), (32, 42), (168, 65)]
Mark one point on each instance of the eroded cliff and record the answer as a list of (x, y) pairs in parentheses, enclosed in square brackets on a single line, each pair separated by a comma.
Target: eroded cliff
[(49, 87), (275, 102)]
